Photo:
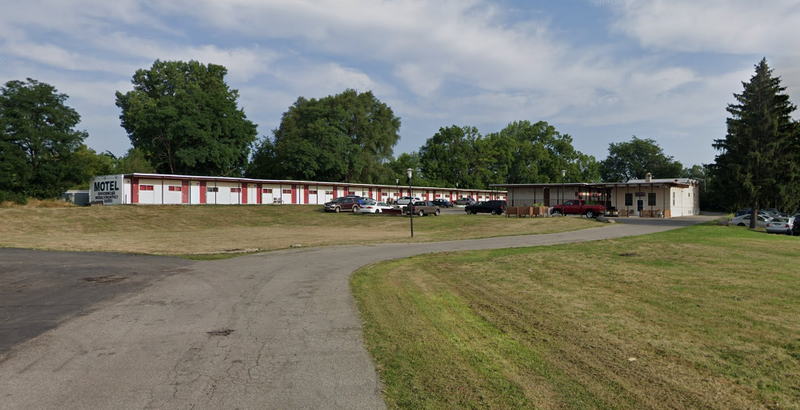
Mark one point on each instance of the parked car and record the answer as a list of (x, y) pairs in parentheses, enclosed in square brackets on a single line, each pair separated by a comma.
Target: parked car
[(744, 220), (464, 201), (796, 227), (442, 203), (422, 208), (344, 204), (407, 200), (780, 225), (489, 207), (373, 207), (579, 207)]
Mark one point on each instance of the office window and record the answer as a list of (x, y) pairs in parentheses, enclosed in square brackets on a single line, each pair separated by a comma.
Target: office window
[(628, 199), (651, 198)]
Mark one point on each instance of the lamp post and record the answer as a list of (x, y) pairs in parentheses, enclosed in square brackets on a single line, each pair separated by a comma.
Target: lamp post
[(410, 173)]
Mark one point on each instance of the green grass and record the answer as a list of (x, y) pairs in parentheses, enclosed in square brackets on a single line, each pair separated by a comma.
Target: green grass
[(705, 316), (209, 232)]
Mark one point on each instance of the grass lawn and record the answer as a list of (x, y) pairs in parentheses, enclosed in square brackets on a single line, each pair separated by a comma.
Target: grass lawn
[(705, 316), (198, 230)]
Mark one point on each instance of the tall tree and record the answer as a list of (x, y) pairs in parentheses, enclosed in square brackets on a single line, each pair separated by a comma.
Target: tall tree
[(343, 137), (450, 157), (758, 160), (635, 158), (185, 119), (38, 141), (526, 152)]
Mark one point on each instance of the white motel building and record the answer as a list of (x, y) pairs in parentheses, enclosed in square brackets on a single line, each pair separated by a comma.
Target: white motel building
[(164, 189)]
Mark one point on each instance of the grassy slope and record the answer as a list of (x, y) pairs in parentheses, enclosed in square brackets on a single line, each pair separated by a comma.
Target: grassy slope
[(211, 229), (706, 316)]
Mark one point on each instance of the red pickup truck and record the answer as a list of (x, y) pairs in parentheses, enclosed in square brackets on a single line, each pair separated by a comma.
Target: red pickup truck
[(579, 207)]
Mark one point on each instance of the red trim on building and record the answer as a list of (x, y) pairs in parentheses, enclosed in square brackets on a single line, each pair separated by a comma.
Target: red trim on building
[(202, 192), (370, 192), (184, 192), (294, 194), (260, 194), (134, 190), (334, 191), (305, 194), (244, 192)]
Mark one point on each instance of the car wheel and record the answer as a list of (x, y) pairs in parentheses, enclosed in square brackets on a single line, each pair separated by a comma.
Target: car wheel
[(589, 214), (356, 209), (437, 212), (556, 213), (420, 213), (741, 224), (377, 211), (493, 212), (337, 209)]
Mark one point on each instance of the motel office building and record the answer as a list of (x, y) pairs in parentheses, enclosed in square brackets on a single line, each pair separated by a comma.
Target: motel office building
[(164, 189), (666, 198)]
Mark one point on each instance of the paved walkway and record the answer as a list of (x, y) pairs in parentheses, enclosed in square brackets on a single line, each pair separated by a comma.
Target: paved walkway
[(284, 334)]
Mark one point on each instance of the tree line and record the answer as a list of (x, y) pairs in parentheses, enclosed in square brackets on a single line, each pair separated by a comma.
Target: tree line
[(182, 117)]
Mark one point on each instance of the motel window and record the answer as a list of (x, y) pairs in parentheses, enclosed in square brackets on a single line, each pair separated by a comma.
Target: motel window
[(287, 191), (384, 194), (174, 188), (628, 199), (651, 198), (236, 189), (328, 192), (310, 192), (673, 199), (145, 187), (212, 189), (266, 190)]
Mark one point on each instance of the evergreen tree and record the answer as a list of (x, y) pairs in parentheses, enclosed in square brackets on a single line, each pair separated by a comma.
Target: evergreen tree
[(758, 162)]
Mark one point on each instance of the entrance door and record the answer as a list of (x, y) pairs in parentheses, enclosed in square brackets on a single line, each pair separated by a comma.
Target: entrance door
[(547, 197), (640, 206)]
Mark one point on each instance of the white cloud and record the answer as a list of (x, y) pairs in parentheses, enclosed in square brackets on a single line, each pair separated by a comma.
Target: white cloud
[(726, 26)]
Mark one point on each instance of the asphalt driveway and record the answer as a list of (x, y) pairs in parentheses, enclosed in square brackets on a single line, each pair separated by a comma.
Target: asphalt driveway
[(273, 330)]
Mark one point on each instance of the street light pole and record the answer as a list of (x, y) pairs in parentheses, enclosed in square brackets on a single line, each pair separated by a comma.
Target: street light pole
[(410, 173)]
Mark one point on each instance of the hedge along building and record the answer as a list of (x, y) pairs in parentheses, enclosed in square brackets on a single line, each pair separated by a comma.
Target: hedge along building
[(158, 189), (669, 197)]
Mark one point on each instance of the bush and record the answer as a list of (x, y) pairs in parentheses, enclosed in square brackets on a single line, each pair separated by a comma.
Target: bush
[(13, 197)]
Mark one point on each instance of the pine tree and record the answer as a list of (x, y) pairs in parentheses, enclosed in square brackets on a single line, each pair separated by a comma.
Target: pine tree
[(758, 163)]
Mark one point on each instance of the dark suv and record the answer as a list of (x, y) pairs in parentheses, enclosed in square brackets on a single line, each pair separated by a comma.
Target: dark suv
[(344, 204), (442, 203), (796, 226), (488, 207)]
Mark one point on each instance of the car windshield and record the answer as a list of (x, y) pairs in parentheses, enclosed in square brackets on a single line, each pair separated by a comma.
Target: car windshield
[(780, 220)]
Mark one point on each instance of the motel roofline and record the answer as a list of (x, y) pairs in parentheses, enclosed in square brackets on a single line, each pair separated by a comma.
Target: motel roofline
[(672, 182), (298, 182)]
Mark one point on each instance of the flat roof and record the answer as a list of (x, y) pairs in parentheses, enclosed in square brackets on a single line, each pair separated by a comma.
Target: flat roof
[(676, 182), (294, 181)]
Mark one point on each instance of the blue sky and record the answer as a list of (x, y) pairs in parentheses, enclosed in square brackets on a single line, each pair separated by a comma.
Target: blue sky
[(599, 70)]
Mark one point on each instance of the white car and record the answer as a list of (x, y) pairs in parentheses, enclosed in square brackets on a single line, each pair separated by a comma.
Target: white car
[(744, 220), (781, 225), (372, 207), (407, 200)]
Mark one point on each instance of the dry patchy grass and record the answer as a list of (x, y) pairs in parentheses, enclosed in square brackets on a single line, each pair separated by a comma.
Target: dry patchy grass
[(704, 316), (191, 230)]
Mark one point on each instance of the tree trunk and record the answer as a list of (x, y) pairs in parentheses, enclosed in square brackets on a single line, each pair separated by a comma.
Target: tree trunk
[(753, 216)]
